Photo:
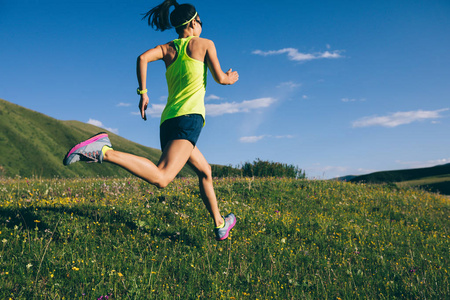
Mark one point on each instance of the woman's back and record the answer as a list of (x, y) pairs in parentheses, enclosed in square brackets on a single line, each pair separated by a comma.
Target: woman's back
[(196, 49), (186, 81)]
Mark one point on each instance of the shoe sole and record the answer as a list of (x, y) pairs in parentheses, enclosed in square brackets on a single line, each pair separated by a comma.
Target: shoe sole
[(228, 232), (92, 139)]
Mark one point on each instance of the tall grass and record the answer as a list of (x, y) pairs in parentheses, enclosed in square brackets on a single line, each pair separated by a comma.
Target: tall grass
[(294, 239)]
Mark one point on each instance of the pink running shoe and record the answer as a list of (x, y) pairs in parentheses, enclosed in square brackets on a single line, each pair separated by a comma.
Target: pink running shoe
[(89, 151), (222, 233)]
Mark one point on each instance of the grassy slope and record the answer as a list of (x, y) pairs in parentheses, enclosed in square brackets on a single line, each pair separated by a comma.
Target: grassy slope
[(434, 184), (33, 144), (294, 239), (435, 179)]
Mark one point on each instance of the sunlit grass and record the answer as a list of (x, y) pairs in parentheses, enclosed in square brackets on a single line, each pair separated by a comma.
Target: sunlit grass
[(122, 238)]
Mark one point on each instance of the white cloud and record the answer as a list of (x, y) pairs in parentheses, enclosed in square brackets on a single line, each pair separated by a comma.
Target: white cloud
[(289, 85), (328, 54), (251, 139), (423, 164), (287, 136), (254, 139), (95, 123), (238, 107), (123, 104), (353, 100), (155, 110), (399, 118), (100, 124), (295, 55), (213, 97)]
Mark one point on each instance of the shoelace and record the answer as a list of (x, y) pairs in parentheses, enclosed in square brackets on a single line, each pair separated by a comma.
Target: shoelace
[(92, 155)]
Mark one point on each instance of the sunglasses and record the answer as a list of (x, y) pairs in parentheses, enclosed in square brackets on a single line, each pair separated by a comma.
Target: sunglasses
[(199, 22)]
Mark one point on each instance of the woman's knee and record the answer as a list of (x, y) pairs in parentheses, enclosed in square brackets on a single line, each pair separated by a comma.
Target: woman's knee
[(205, 172), (161, 182)]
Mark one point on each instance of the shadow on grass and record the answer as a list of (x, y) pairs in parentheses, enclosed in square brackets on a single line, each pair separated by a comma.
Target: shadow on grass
[(440, 187), (45, 219)]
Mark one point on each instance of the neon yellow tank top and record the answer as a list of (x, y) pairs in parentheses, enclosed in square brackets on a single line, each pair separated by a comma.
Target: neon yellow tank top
[(186, 81)]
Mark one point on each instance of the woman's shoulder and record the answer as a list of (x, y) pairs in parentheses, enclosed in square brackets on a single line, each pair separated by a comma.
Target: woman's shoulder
[(205, 43), (166, 45), (168, 50)]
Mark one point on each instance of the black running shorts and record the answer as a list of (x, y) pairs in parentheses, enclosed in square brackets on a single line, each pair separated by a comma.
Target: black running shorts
[(187, 127)]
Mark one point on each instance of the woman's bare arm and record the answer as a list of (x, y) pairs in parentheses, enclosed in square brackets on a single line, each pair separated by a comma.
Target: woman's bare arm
[(230, 77), (141, 72)]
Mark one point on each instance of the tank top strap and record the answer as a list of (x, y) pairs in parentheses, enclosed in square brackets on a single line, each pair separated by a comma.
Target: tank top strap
[(181, 45)]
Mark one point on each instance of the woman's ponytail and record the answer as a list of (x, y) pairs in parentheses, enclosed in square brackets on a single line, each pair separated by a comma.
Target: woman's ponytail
[(158, 17)]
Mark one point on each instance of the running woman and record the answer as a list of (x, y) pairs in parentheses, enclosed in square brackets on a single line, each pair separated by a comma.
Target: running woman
[(187, 59)]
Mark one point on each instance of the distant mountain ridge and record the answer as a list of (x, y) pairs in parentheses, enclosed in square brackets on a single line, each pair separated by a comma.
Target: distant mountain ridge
[(434, 179), (33, 144), (403, 175)]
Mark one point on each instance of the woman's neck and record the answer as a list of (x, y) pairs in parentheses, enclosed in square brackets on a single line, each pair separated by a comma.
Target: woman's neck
[(181, 36), (186, 33)]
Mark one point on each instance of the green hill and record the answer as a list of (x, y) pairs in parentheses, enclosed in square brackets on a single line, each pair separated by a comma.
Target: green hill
[(33, 144), (434, 179)]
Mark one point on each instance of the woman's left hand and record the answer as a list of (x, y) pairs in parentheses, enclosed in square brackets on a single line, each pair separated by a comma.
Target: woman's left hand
[(143, 105)]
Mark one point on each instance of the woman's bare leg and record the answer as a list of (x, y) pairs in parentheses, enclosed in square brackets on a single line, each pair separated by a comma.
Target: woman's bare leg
[(203, 169), (173, 159)]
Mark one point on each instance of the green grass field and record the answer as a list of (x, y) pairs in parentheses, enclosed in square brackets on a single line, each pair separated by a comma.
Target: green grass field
[(294, 239), (439, 184)]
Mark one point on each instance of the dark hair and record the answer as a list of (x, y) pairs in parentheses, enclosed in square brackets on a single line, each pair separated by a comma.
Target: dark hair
[(158, 17)]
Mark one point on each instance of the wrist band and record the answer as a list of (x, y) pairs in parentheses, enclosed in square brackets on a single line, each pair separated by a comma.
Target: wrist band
[(139, 92)]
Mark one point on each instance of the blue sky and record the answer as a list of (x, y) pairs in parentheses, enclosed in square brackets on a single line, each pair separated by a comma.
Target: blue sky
[(333, 87)]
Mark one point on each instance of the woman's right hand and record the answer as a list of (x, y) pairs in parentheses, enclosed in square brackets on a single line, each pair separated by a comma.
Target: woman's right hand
[(233, 76), (143, 103)]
